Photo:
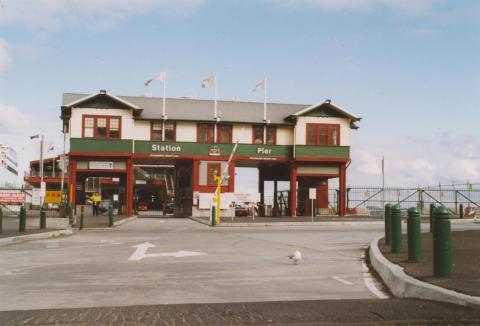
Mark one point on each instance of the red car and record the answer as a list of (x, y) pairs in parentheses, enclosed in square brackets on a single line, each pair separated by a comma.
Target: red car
[(240, 210), (142, 206)]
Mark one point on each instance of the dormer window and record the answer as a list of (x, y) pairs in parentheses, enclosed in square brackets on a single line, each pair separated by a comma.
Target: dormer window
[(323, 134)]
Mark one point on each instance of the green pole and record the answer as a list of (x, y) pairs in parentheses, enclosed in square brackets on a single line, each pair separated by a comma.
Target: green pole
[(414, 237), (432, 209), (396, 229), (388, 224), (135, 205), (442, 243), (22, 219), (81, 218), (1, 220), (43, 218), (214, 217), (460, 213), (110, 216)]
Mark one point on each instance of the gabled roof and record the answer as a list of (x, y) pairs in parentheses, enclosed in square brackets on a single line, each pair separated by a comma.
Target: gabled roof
[(327, 103), (70, 102)]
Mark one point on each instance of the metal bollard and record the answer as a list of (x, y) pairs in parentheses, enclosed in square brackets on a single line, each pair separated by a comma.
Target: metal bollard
[(110, 216), (135, 205), (70, 213), (460, 213), (1, 220), (432, 208), (388, 224), (396, 229), (214, 217), (43, 218), (414, 235), (81, 218), (442, 243), (22, 220)]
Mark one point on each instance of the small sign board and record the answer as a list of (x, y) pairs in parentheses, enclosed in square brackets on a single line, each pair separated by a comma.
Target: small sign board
[(312, 193), (53, 197), (12, 197), (100, 165)]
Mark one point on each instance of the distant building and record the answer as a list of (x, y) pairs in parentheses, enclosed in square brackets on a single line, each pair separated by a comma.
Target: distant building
[(8, 167)]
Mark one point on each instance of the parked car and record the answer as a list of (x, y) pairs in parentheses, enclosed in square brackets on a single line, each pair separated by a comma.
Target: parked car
[(142, 206), (240, 210), (168, 206)]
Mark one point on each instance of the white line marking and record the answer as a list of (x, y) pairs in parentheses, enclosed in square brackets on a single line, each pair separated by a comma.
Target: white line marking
[(341, 280), (369, 281)]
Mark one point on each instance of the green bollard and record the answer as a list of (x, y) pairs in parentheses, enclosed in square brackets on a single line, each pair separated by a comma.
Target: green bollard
[(22, 220), (43, 218), (110, 216), (388, 224), (432, 209), (81, 218), (442, 243), (413, 233), (1, 220), (69, 211), (396, 229), (214, 217), (460, 213), (135, 205)]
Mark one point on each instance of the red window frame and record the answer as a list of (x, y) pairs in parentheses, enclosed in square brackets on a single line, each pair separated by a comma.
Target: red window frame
[(210, 178), (161, 139), (95, 126), (210, 129), (328, 128), (259, 129)]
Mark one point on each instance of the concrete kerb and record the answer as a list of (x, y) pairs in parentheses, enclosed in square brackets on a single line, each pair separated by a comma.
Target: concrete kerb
[(404, 286), (35, 236), (260, 224), (115, 223)]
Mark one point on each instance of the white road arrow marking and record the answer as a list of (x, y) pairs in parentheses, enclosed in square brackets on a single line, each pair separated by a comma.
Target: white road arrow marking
[(141, 252)]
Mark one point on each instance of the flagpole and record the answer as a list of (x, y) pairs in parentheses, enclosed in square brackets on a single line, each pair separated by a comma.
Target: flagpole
[(265, 111), (163, 105), (215, 107), (383, 181)]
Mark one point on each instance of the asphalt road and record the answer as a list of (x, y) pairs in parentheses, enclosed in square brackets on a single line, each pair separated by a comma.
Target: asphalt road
[(179, 272)]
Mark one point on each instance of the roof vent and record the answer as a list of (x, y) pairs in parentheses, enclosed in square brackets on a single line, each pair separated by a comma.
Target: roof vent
[(328, 100), (103, 91)]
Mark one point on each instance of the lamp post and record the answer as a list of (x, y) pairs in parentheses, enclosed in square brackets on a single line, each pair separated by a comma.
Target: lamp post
[(41, 165)]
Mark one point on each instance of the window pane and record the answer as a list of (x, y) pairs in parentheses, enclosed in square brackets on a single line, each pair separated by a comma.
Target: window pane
[(88, 132), (156, 125), (311, 135), (169, 131), (157, 135), (89, 122), (271, 135), (258, 135), (322, 135), (202, 133), (88, 127), (114, 130), (333, 136), (223, 134), (102, 127), (213, 169)]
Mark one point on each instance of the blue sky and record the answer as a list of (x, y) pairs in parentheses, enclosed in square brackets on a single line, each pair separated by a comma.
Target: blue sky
[(409, 68)]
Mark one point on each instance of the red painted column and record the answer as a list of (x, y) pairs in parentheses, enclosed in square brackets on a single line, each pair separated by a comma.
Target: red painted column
[(72, 184), (231, 180), (293, 189), (129, 188), (343, 190), (196, 175)]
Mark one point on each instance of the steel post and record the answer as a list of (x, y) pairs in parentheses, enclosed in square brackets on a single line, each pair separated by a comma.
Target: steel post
[(396, 229), (81, 218), (22, 220), (110, 216), (460, 213), (432, 208), (442, 243), (414, 235), (388, 224)]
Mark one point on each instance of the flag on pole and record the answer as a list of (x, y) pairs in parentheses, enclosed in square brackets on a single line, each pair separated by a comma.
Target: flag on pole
[(209, 82), (160, 76), (260, 86)]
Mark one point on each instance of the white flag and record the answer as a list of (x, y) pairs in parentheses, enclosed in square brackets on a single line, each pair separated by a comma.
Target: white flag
[(260, 86), (160, 76), (208, 82)]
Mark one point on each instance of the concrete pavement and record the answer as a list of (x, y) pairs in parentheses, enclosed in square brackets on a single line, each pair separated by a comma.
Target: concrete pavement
[(92, 269)]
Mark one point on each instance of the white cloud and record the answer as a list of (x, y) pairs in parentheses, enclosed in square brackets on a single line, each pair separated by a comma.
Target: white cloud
[(13, 121), (405, 7), (5, 58), (444, 158), (91, 13)]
